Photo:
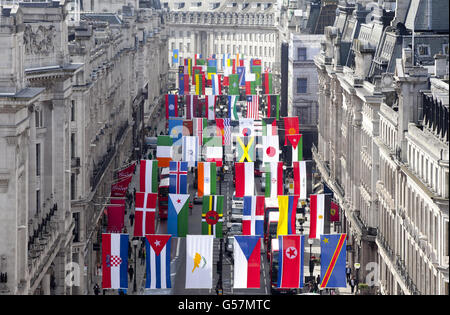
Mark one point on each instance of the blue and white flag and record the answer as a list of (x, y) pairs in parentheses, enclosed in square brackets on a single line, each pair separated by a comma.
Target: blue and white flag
[(178, 177), (191, 151), (157, 248), (176, 131), (247, 261), (241, 72), (232, 107)]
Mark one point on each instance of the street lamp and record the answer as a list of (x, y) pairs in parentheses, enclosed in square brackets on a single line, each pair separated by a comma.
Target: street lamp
[(311, 263), (135, 244)]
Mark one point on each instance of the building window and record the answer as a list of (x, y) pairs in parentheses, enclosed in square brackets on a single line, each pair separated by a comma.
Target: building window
[(76, 229), (72, 187), (188, 47), (72, 145), (302, 85), (38, 201), (72, 111), (423, 50), (445, 49), (38, 159), (38, 118), (301, 53)]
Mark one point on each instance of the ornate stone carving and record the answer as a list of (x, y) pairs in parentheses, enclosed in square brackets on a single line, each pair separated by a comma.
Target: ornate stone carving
[(39, 40)]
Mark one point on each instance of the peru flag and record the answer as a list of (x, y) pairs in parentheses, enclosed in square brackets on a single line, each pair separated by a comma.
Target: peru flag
[(245, 179), (290, 260), (253, 216), (247, 260), (144, 215), (114, 261), (157, 248)]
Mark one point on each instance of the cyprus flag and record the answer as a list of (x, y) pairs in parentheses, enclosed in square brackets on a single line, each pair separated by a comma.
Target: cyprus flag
[(199, 261)]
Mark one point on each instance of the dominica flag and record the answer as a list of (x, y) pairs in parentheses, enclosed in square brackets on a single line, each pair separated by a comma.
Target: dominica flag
[(213, 150), (157, 249), (148, 176), (320, 205), (287, 206), (178, 213), (274, 180), (200, 84), (270, 148), (333, 260), (232, 107), (164, 150), (171, 105), (245, 151), (212, 215), (233, 81), (291, 252), (273, 106), (267, 83), (244, 178), (207, 178), (269, 127), (247, 261)]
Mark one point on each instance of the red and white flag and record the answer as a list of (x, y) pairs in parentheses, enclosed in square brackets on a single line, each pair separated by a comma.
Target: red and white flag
[(128, 171), (245, 178), (253, 107), (145, 208), (319, 204), (300, 179)]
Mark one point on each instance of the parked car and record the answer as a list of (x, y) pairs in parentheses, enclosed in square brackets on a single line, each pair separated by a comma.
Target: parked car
[(235, 229), (237, 202), (236, 214)]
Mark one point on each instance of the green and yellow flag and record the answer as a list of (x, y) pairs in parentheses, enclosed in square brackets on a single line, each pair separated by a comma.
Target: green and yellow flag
[(212, 215)]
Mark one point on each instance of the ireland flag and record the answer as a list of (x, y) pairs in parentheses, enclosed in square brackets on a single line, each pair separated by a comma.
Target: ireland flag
[(212, 215), (177, 218), (164, 150)]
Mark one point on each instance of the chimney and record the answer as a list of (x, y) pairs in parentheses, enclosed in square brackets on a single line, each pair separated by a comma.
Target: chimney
[(440, 65)]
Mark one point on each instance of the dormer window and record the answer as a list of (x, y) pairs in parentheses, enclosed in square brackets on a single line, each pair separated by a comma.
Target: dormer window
[(423, 50)]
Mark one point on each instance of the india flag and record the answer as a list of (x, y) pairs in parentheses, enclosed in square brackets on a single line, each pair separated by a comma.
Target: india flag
[(207, 176)]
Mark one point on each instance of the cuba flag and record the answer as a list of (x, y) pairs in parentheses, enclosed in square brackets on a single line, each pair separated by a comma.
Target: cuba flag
[(247, 261), (253, 216), (157, 247), (290, 259), (114, 261), (332, 260)]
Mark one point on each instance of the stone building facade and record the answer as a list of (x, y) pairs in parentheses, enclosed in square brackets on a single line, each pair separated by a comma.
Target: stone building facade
[(379, 149), (76, 96)]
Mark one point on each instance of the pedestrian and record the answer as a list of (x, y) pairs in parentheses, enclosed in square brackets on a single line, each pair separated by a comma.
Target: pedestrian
[(352, 284), (134, 193), (142, 257), (96, 289), (318, 279), (131, 272), (348, 272), (131, 216)]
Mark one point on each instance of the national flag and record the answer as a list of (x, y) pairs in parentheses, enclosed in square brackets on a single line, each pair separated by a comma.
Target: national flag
[(200, 84), (227, 131), (273, 106), (200, 61), (247, 127), (269, 127), (210, 101), (319, 205), (199, 126), (267, 83), (144, 215), (241, 74), (270, 148), (245, 179), (291, 129), (287, 206), (187, 127), (211, 68), (213, 150), (333, 260), (300, 179), (207, 178), (114, 261), (191, 106), (116, 215), (191, 150), (157, 249), (188, 66), (291, 252), (175, 56), (274, 180), (171, 105), (250, 87), (196, 70), (232, 107), (176, 131), (334, 212), (197, 56), (164, 150), (245, 151), (233, 88), (126, 172), (182, 83), (253, 107), (255, 67), (178, 177), (120, 188), (177, 215), (253, 216), (216, 84), (225, 57), (297, 149), (199, 261), (212, 215), (247, 262)]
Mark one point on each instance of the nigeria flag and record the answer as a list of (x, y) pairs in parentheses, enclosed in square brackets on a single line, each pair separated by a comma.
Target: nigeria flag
[(212, 215)]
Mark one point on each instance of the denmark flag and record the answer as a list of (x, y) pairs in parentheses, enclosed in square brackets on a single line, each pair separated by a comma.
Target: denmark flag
[(145, 213)]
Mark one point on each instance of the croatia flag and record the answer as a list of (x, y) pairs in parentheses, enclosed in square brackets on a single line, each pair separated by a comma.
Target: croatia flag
[(253, 216), (247, 261), (319, 204), (114, 261), (157, 248), (290, 259), (245, 179), (178, 177), (145, 208), (148, 176)]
